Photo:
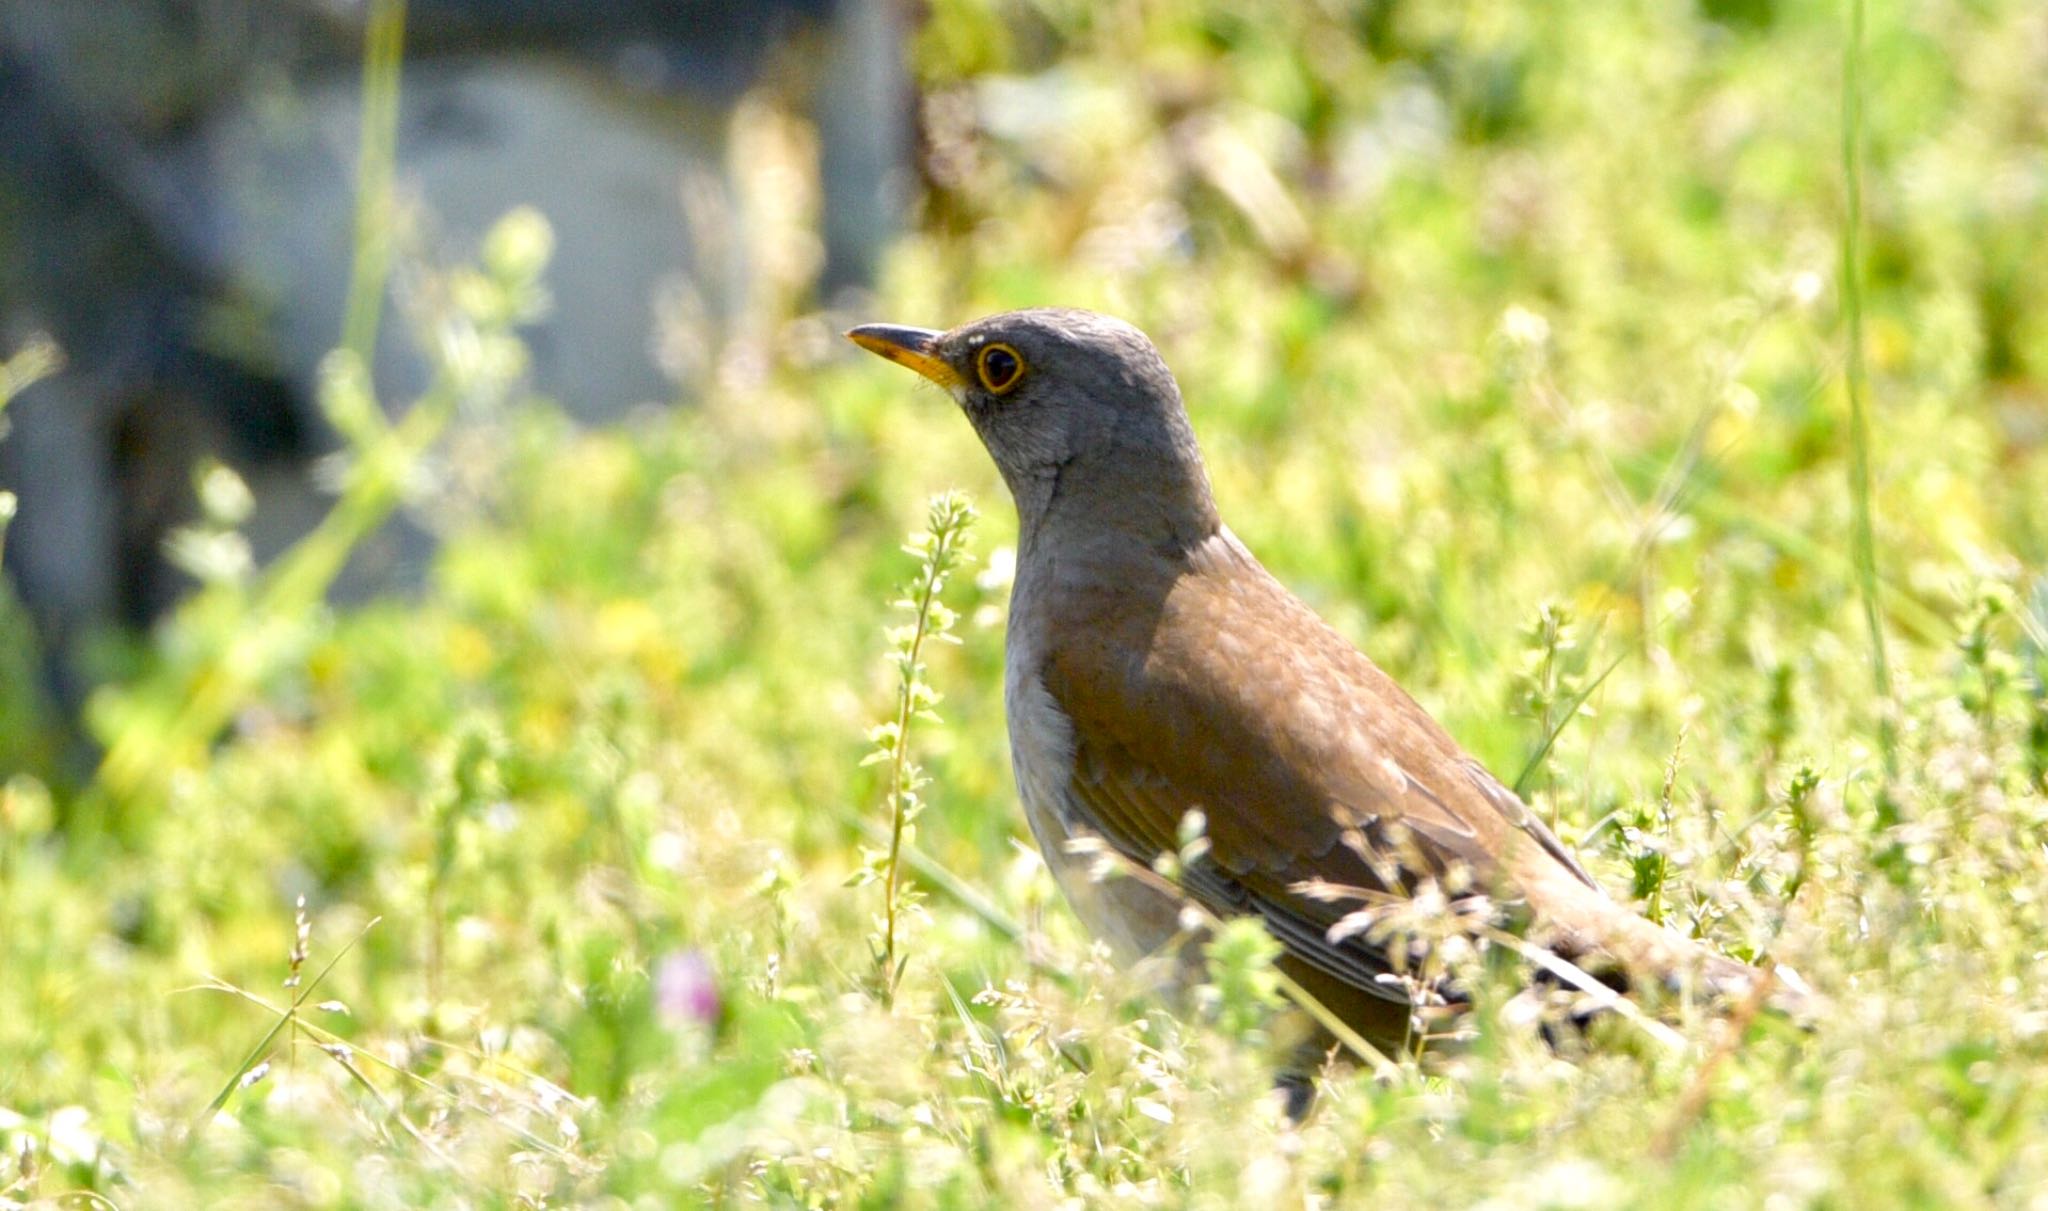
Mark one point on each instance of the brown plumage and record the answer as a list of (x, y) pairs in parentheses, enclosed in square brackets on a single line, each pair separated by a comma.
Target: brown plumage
[(1155, 668)]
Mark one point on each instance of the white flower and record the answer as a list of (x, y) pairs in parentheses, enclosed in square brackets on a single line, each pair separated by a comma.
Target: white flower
[(1524, 327)]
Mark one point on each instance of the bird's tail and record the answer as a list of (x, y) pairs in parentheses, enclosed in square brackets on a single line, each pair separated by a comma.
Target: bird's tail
[(1590, 930)]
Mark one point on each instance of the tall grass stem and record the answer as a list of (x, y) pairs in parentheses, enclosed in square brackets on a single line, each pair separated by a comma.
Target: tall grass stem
[(1863, 540), (376, 151)]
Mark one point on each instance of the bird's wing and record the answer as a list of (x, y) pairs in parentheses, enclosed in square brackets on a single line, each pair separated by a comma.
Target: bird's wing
[(1139, 811), (1228, 696), (1517, 813)]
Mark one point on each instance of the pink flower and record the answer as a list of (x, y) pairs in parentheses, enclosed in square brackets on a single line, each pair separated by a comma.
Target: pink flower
[(686, 990)]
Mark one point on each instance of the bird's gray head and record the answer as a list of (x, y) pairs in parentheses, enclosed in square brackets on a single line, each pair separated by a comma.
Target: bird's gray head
[(1079, 412)]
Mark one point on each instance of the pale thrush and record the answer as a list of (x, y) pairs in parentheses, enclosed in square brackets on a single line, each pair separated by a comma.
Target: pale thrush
[(1154, 668)]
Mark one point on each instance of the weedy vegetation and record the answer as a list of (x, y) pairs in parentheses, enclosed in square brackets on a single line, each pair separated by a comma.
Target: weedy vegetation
[(1678, 437)]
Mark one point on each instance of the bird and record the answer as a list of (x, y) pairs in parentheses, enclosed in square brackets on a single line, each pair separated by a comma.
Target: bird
[(1155, 673)]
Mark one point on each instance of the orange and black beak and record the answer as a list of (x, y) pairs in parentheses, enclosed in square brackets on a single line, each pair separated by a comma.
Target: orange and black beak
[(916, 348)]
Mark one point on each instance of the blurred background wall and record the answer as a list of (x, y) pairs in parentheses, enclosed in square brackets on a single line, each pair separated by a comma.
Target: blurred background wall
[(177, 203), (176, 184)]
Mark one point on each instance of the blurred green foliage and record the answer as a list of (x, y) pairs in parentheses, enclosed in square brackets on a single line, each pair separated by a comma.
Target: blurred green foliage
[(1512, 335)]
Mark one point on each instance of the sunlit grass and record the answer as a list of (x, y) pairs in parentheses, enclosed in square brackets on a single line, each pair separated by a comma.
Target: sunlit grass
[(1540, 395)]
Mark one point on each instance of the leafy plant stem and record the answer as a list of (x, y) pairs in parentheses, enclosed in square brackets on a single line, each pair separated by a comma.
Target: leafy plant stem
[(950, 515)]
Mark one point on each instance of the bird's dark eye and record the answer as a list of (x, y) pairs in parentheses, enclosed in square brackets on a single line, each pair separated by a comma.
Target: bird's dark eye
[(1000, 368)]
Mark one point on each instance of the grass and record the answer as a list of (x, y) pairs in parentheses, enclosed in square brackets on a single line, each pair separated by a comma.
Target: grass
[(1556, 328), (1856, 377)]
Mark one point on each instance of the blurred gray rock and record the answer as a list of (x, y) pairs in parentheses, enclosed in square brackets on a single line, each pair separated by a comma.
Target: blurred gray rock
[(177, 202)]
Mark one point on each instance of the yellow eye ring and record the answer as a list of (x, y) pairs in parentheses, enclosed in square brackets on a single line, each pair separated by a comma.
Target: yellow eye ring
[(1001, 368)]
